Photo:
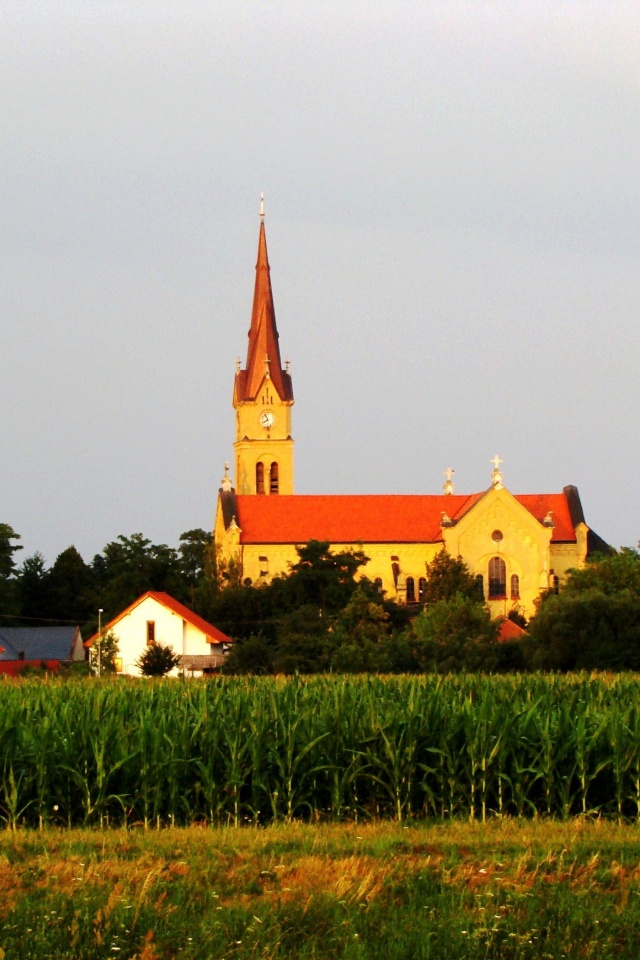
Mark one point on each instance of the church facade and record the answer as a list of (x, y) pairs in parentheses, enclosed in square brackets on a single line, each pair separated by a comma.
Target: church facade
[(516, 545)]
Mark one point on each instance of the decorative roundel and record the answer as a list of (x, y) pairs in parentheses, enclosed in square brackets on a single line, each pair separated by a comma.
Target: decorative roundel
[(497, 536)]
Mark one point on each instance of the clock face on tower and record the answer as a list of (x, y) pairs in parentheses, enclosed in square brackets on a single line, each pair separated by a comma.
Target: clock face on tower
[(267, 419)]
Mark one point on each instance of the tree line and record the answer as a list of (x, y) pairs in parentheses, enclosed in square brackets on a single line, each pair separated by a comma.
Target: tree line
[(323, 615)]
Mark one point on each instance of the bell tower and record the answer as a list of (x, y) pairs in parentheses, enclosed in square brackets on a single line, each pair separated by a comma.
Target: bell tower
[(263, 396)]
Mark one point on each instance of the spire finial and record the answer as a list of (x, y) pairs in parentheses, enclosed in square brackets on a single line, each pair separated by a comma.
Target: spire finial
[(262, 205), (496, 475), (448, 485), (226, 483)]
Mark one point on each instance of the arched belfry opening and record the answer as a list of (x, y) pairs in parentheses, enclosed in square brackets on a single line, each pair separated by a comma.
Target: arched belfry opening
[(274, 482)]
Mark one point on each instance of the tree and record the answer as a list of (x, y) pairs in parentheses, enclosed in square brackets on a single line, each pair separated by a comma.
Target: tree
[(321, 583), (32, 589), (194, 555), (303, 641), (455, 634), (359, 633), (8, 598), (157, 660), (610, 573), (448, 577), (70, 588), (594, 622), (321, 577), (132, 565), (104, 653), (253, 654)]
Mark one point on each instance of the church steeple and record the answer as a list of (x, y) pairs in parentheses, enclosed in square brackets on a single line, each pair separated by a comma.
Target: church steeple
[(263, 396), (263, 352)]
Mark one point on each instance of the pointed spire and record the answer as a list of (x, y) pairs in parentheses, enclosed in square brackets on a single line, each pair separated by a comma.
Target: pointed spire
[(263, 353)]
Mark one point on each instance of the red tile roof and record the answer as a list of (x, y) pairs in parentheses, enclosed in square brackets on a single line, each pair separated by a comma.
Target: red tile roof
[(212, 633), (509, 630), (539, 505), (373, 518)]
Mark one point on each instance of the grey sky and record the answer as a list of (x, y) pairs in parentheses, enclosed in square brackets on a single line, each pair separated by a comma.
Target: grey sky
[(453, 224)]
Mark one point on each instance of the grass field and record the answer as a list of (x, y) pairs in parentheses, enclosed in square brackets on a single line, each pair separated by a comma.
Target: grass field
[(504, 889)]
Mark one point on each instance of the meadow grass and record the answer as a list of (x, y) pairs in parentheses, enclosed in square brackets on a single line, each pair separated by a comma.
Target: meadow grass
[(504, 889)]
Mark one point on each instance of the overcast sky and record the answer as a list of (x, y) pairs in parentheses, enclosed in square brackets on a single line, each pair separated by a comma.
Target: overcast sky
[(453, 222)]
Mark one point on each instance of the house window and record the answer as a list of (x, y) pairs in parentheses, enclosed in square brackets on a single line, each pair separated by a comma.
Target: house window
[(395, 570), (151, 632), (411, 590), (515, 586), (273, 478), (264, 566), (422, 586), (259, 477), (378, 582), (555, 584), (497, 578)]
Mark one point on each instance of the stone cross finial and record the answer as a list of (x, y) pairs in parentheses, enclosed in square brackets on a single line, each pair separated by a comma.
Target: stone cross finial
[(262, 205), (496, 476), (287, 364), (225, 483), (448, 484), (238, 364)]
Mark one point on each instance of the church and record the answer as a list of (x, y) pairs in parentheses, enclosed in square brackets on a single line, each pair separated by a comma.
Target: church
[(516, 545)]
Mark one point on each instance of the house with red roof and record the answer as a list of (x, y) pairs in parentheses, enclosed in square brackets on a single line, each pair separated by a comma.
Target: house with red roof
[(516, 545), (156, 617)]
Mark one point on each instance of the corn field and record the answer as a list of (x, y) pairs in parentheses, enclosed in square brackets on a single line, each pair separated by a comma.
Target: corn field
[(235, 750)]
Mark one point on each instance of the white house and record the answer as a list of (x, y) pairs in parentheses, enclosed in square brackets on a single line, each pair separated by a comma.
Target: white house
[(158, 618)]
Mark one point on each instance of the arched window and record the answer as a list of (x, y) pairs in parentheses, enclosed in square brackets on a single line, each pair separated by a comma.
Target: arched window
[(422, 586), (259, 477), (378, 582), (273, 478), (480, 586), (497, 578), (411, 590), (556, 584), (395, 570), (515, 585)]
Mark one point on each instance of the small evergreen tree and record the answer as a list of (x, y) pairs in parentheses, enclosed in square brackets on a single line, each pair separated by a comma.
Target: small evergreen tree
[(157, 660)]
